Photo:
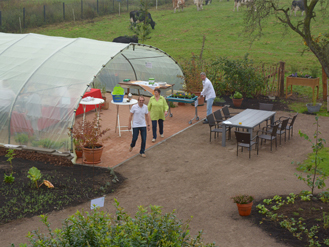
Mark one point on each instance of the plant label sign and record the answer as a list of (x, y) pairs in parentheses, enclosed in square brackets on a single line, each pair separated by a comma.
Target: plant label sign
[(148, 65), (98, 202)]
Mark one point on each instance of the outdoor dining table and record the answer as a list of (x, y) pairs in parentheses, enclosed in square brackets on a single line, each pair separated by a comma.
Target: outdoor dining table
[(247, 119)]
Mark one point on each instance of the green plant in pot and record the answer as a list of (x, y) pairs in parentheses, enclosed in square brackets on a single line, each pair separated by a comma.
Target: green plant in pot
[(244, 203), (314, 106), (89, 134), (237, 99)]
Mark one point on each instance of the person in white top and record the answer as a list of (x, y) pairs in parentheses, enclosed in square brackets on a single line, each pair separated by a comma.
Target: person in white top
[(208, 92), (140, 116)]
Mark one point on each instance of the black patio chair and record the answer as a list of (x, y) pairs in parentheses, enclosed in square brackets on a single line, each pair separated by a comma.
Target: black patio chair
[(282, 129), (213, 127), (226, 112), (218, 119), (290, 125), (269, 135), (243, 140)]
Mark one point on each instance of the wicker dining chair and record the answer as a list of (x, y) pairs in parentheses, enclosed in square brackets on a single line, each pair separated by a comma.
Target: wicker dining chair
[(213, 127), (269, 135), (243, 140)]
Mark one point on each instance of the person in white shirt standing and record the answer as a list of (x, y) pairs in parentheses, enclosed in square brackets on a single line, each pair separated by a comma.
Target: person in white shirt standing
[(208, 92), (140, 116)]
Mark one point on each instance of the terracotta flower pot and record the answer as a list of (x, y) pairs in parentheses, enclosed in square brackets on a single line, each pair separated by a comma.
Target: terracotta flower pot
[(244, 209), (237, 102), (78, 153), (92, 156), (201, 100)]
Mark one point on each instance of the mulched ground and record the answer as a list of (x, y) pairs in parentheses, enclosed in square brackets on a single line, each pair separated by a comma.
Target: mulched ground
[(310, 214), (73, 185), (253, 103)]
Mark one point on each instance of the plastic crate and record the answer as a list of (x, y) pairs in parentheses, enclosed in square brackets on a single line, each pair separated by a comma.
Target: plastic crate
[(117, 98)]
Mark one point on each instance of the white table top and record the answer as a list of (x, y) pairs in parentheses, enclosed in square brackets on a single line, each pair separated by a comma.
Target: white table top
[(95, 101), (249, 118), (124, 102)]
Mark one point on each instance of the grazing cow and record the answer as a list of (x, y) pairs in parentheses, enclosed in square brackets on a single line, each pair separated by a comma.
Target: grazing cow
[(178, 4), (134, 17), (198, 4), (238, 3), (126, 39), (297, 5)]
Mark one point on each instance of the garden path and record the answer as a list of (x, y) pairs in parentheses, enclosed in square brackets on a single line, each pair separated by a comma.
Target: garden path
[(197, 178)]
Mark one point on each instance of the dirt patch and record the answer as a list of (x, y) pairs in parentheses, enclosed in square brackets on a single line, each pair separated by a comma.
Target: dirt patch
[(73, 185)]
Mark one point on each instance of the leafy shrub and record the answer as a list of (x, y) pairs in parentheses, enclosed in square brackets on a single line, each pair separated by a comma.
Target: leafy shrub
[(22, 138), (241, 75), (100, 229), (192, 69)]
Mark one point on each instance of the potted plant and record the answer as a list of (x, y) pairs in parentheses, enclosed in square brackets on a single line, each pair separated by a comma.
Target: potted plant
[(78, 147), (313, 107), (90, 133), (244, 203), (237, 99)]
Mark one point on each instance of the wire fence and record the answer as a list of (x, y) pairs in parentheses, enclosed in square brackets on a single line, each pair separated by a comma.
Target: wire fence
[(18, 19)]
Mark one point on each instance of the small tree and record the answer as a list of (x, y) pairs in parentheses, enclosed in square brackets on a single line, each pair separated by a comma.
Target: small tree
[(142, 28), (312, 169), (192, 69), (318, 43)]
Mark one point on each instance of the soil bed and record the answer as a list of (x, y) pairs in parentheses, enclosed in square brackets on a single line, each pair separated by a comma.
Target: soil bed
[(309, 212), (73, 185)]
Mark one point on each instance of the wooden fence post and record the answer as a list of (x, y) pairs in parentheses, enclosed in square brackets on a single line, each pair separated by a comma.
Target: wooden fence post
[(23, 17), (81, 9), (324, 85), (281, 69), (0, 19), (63, 11), (44, 13)]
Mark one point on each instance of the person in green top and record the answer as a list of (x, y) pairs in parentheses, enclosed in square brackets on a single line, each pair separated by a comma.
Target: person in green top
[(158, 107)]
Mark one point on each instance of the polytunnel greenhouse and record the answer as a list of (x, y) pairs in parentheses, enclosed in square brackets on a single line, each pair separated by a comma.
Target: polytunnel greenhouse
[(43, 78)]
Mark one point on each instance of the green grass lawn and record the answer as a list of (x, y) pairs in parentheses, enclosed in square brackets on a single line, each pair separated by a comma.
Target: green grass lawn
[(182, 33)]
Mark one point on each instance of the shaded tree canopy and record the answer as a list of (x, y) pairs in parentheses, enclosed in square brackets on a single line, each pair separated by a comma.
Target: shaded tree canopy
[(318, 43)]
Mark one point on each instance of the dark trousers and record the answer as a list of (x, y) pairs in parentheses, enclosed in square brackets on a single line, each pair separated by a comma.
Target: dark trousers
[(135, 137), (154, 127)]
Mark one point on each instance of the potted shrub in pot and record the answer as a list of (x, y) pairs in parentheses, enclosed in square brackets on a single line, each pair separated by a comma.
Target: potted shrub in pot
[(313, 107), (90, 133), (244, 203), (78, 147), (237, 99)]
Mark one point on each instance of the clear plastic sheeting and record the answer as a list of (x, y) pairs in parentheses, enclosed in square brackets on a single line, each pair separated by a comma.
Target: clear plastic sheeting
[(43, 78)]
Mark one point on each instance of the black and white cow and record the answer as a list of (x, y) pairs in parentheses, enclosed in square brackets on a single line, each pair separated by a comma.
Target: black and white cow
[(238, 3), (297, 5), (126, 39), (134, 17)]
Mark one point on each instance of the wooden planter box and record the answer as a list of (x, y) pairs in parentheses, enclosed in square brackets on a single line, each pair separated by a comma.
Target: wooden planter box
[(313, 82)]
